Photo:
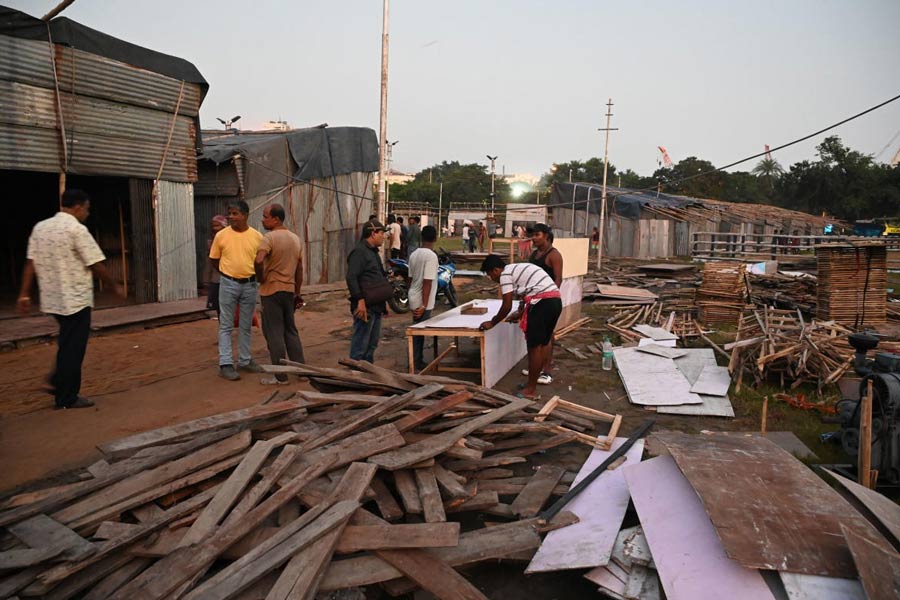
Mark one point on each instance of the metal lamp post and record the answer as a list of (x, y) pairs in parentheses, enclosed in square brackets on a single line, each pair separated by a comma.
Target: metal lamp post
[(493, 160), (389, 151)]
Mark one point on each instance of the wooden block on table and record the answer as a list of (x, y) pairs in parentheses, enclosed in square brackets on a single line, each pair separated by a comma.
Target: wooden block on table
[(430, 496), (377, 537), (474, 310), (537, 491)]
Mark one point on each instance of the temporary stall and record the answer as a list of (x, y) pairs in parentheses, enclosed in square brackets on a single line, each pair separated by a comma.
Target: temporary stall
[(322, 176), (82, 109)]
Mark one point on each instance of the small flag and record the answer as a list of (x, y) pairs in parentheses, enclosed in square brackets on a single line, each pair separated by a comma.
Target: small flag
[(665, 157), (768, 153)]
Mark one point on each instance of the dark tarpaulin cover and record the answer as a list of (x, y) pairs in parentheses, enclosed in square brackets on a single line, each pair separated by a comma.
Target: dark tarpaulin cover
[(67, 32), (315, 153), (622, 202)]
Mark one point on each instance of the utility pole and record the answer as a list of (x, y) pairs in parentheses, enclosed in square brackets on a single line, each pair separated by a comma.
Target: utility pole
[(609, 106), (440, 205), (382, 136), (389, 152), (493, 160)]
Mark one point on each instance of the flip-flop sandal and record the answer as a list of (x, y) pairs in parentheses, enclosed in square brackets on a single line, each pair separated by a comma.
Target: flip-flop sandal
[(534, 398)]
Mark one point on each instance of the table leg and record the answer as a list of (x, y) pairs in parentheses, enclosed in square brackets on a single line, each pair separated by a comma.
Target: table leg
[(481, 344), (456, 343), (412, 365), (435, 344)]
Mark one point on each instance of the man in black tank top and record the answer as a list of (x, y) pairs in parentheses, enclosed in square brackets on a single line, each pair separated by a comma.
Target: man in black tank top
[(550, 260)]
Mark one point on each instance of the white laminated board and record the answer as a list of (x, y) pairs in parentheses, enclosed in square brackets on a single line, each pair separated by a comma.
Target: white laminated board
[(504, 347), (691, 365), (658, 350), (570, 290), (713, 381), (655, 333), (454, 319), (600, 507), (690, 559), (643, 342), (816, 587), (653, 380)]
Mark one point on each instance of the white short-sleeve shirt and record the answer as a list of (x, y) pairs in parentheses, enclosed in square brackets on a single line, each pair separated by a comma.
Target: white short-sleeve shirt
[(423, 264), (63, 251)]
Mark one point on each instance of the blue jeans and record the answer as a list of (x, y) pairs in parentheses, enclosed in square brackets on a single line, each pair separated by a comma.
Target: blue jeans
[(365, 337), (419, 343), (232, 296)]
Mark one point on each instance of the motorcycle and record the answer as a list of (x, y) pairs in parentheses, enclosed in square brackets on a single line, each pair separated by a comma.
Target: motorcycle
[(399, 278)]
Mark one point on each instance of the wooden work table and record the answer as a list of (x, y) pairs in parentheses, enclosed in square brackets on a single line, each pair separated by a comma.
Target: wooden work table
[(500, 348)]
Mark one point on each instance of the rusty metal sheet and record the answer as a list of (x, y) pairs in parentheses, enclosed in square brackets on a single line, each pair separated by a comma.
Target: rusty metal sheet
[(769, 509), (879, 568)]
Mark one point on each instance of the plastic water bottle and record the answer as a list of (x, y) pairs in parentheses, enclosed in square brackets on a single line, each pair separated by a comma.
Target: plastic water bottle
[(607, 354)]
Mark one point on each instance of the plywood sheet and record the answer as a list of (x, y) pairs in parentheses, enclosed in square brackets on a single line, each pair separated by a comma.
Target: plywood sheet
[(600, 508), (652, 380), (504, 347), (691, 365), (664, 351), (625, 293), (655, 333), (800, 532), (689, 557), (816, 587), (879, 568), (884, 509), (713, 381), (643, 342), (574, 254)]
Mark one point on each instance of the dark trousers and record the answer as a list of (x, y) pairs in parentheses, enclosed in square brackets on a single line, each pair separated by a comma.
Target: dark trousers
[(71, 345), (280, 329), (419, 343)]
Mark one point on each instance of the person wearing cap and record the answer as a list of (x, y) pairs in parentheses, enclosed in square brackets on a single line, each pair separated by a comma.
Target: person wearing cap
[(211, 274), (233, 253), (365, 273)]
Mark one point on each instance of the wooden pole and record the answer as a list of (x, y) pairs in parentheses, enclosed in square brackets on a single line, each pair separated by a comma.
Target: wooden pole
[(59, 8), (609, 106), (382, 128), (864, 467), (765, 413)]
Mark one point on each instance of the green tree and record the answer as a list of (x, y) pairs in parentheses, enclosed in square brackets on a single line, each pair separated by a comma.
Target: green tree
[(462, 183), (684, 178), (588, 171), (769, 172)]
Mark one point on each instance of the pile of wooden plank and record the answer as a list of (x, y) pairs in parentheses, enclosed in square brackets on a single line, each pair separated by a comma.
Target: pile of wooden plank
[(353, 485), (722, 294), (784, 291), (852, 283)]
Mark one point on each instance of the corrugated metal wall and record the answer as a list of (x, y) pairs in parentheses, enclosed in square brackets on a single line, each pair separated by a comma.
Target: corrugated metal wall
[(143, 239), (117, 117), (177, 263)]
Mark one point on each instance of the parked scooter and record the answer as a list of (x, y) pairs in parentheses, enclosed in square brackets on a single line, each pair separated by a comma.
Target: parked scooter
[(399, 278)]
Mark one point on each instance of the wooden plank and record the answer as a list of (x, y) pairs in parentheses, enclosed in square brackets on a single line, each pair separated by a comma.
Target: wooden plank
[(17, 581), (387, 505), (600, 509), (493, 473), (642, 584), (885, 510), (377, 537), (228, 494), (149, 479), (799, 534), (27, 557), (652, 380), (302, 575), (879, 567), (409, 492), (274, 552), (479, 501), (815, 587), (713, 381), (262, 487), (105, 588), (180, 431), (450, 482), (430, 496), (424, 414), (369, 415), (686, 550), (43, 532), (413, 453), (537, 491)]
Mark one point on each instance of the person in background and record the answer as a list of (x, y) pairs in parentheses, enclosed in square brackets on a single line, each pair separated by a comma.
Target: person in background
[(539, 309), (211, 274), (413, 236), (595, 239), (550, 260), (233, 253), (65, 257), (465, 237), (404, 237), (423, 270), (363, 270), (482, 236), (279, 270), (473, 236), (393, 237)]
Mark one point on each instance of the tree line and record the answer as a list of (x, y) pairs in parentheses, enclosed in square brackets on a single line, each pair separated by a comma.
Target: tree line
[(840, 182)]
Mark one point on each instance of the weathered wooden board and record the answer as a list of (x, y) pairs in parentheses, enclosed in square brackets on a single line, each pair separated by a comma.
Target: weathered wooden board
[(537, 491), (879, 567), (688, 555), (800, 533), (713, 381), (430, 495), (41, 531), (378, 537), (652, 380), (642, 584), (816, 587), (21, 558), (600, 508), (885, 510), (625, 293)]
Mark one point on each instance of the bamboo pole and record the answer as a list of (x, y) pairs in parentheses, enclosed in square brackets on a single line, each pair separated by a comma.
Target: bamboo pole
[(864, 466), (765, 414)]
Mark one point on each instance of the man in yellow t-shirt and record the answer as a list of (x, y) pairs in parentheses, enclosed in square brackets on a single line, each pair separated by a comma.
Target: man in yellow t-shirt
[(232, 252)]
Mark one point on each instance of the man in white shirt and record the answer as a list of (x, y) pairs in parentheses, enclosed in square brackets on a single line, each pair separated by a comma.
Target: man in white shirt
[(423, 269), (394, 237), (465, 237), (64, 256), (539, 308)]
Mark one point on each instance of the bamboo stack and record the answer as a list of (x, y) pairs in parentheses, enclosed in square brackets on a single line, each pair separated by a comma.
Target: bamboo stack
[(723, 293), (852, 286)]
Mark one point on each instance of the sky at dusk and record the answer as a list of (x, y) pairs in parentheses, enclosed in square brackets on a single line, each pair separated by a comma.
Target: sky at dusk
[(529, 80)]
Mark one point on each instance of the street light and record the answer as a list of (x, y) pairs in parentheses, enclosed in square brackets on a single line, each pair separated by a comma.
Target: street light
[(492, 159), (389, 152)]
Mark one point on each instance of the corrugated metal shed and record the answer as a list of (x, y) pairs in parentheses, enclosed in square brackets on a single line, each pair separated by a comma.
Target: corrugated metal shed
[(176, 263)]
